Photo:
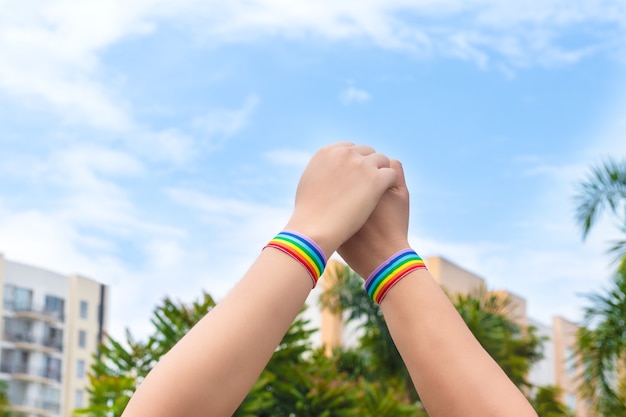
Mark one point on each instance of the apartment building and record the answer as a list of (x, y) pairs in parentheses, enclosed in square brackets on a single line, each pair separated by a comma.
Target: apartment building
[(51, 326), (556, 368)]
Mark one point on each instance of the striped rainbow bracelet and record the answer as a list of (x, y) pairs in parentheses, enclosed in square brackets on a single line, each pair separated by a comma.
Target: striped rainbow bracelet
[(303, 250), (391, 271)]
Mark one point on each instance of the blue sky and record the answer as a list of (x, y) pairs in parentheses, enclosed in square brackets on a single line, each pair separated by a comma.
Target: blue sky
[(155, 145)]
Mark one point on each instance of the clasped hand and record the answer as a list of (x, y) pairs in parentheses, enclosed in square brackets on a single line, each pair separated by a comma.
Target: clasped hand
[(353, 199)]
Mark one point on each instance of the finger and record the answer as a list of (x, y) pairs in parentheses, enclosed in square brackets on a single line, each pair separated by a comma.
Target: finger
[(388, 177), (400, 179), (341, 145), (380, 160), (364, 149)]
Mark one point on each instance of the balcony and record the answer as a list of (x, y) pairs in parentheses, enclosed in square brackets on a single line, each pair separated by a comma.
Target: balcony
[(39, 313), (22, 371), (28, 341), (51, 374), (34, 406), (14, 368)]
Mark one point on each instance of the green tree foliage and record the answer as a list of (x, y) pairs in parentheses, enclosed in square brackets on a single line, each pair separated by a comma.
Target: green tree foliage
[(546, 402), (305, 383), (119, 367), (601, 342), (605, 186), (377, 357), (4, 400), (513, 347), (601, 348), (298, 380)]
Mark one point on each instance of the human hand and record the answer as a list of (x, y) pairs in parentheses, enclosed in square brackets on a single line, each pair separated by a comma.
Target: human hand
[(337, 192), (385, 231)]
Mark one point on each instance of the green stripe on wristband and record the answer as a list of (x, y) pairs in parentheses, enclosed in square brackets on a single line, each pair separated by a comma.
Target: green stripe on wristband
[(303, 250), (396, 267)]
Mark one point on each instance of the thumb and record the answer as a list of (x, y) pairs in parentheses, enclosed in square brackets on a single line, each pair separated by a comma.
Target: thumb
[(400, 181)]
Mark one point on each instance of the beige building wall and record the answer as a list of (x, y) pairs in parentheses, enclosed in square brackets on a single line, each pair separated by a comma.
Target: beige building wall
[(566, 371), (515, 306), (454, 279), (85, 326), (332, 322)]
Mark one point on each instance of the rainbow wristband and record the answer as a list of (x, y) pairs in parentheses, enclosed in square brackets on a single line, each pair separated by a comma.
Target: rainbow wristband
[(303, 250), (390, 272)]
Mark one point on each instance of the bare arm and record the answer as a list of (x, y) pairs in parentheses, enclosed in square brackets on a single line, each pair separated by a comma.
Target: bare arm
[(452, 373), (212, 368)]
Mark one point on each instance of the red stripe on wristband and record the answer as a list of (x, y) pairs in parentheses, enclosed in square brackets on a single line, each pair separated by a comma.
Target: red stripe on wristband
[(302, 249)]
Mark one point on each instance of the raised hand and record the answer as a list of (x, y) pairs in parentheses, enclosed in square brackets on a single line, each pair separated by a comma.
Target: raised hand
[(385, 231), (338, 191)]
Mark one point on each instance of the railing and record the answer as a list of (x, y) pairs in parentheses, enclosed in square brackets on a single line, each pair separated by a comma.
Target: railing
[(51, 342), (19, 337), (53, 406), (55, 314), (14, 368), (23, 368), (56, 375)]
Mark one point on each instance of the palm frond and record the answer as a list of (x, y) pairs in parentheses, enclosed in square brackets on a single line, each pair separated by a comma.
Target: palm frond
[(605, 186)]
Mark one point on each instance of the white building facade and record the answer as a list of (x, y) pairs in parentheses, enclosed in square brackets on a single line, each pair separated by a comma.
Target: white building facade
[(51, 327)]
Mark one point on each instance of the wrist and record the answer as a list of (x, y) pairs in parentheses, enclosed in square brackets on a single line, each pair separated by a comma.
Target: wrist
[(382, 252), (391, 271), (365, 255), (322, 238), (302, 249)]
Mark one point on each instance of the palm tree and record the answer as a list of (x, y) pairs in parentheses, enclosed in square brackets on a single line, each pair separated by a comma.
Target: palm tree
[(546, 402), (513, 347), (379, 358), (604, 186), (601, 342), (601, 348)]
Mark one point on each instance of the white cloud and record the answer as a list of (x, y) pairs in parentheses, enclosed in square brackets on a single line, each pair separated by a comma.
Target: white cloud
[(220, 124), (526, 32), (288, 157), (51, 51), (52, 60), (169, 145), (226, 212), (354, 95)]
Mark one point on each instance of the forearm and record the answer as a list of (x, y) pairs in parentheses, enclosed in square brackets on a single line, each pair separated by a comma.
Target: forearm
[(209, 372), (452, 373), (212, 368)]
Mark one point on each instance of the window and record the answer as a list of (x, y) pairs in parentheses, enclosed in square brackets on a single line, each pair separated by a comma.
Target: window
[(84, 309), (78, 399), (54, 306), (51, 368), (571, 401), (82, 339), (50, 398), (53, 337), (80, 368), (18, 298), (570, 362), (9, 294), (18, 330), (14, 361)]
